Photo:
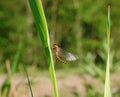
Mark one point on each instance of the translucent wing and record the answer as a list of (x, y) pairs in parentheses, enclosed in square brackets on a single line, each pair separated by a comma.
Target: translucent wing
[(60, 53), (66, 55)]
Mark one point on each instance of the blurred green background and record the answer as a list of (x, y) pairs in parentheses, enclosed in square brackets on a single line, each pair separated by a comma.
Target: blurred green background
[(77, 26)]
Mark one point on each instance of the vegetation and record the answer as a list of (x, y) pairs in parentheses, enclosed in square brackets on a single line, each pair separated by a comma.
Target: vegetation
[(78, 26), (87, 33)]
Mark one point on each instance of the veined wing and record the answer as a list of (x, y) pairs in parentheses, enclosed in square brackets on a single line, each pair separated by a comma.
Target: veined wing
[(66, 55)]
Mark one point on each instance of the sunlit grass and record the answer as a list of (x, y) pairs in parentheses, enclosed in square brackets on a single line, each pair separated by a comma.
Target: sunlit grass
[(107, 91), (38, 13)]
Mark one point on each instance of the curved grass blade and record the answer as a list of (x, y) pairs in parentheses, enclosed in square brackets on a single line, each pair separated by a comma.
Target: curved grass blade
[(28, 80), (39, 17)]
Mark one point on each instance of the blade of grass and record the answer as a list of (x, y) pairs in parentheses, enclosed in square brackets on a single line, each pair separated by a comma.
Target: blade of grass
[(16, 57), (6, 84), (107, 91), (38, 13), (28, 80)]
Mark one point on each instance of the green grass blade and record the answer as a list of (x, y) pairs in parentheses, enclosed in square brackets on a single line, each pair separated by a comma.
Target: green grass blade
[(38, 13), (6, 85), (28, 80), (107, 91), (16, 57)]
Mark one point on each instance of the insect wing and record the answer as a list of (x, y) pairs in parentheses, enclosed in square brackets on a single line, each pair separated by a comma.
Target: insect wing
[(66, 55)]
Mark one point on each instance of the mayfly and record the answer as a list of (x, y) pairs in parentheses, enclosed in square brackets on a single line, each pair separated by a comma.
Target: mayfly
[(60, 53)]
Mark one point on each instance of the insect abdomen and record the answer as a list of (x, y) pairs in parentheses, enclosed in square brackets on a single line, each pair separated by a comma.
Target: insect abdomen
[(59, 59)]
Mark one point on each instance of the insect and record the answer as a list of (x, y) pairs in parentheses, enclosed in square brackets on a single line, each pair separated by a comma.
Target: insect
[(60, 53)]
